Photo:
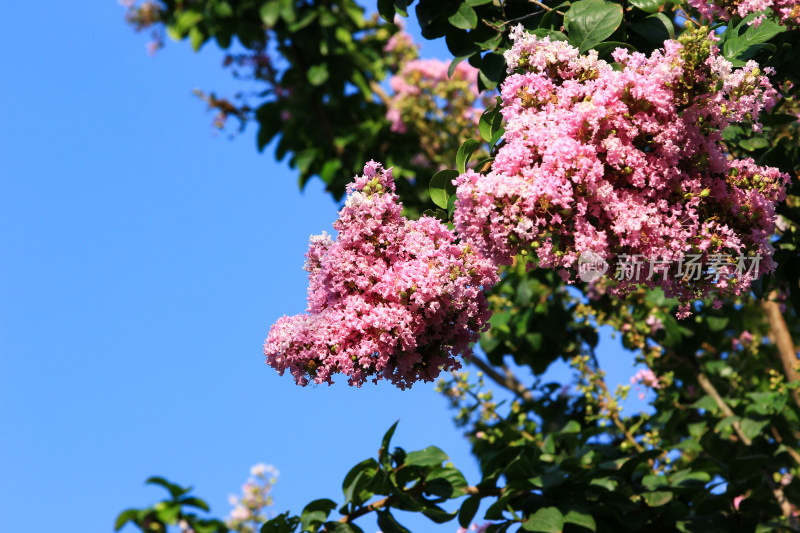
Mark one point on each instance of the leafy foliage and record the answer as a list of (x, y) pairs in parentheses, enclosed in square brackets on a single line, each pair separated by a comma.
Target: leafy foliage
[(718, 452)]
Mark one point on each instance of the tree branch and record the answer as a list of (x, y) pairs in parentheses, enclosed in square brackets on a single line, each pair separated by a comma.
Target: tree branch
[(509, 381), (389, 500), (777, 491), (783, 341), (704, 382)]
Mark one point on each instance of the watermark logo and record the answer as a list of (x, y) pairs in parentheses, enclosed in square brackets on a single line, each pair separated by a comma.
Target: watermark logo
[(591, 266), (691, 267)]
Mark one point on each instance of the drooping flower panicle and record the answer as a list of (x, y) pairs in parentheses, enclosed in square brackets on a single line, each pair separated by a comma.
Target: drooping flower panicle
[(626, 162), (390, 298)]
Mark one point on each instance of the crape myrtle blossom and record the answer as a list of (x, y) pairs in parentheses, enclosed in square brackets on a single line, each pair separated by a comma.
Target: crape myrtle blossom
[(390, 298), (421, 82), (249, 510), (787, 11), (646, 377), (626, 162)]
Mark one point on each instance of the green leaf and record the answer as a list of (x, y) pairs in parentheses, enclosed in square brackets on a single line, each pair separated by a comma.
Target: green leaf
[(717, 323), (430, 456), (650, 6), (441, 188), (468, 510), (751, 427), (492, 68), (283, 523), (386, 10), (437, 514), (316, 513), (545, 520), (465, 18), (490, 122), (657, 498), (357, 479), (754, 143), (340, 527), (447, 482), (464, 153), (656, 28), (186, 20), (580, 519), (496, 137), (589, 22), (766, 403), (307, 19), (176, 491), (726, 422), (124, 517), (742, 40), (318, 74), (191, 501), (196, 38), (453, 64), (383, 453), (270, 11), (388, 524)]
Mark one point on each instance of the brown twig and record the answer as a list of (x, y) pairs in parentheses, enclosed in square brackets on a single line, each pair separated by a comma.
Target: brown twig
[(509, 381), (617, 422), (380, 93), (783, 341), (786, 506), (791, 451), (711, 390)]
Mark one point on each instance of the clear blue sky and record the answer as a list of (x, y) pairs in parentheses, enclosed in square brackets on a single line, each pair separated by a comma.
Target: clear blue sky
[(142, 261)]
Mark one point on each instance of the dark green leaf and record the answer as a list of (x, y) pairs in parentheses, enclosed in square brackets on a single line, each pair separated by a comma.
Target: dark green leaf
[(492, 68), (656, 28), (315, 513), (283, 523), (465, 18), (752, 427), (545, 520), (445, 482), (650, 6), (468, 510), (383, 453), (191, 501), (464, 154), (388, 524), (490, 122), (580, 518), (386, 10), (125, 517), (441, 187), (589, 22), (657, 498), (176, 491)]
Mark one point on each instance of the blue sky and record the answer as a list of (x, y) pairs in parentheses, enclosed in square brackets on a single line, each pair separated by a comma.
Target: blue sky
[(142, 261)]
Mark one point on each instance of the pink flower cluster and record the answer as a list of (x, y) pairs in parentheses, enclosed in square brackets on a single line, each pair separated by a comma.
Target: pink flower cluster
[(627, 161), (645, 377), (390, 298), (249, 510), (422, 81), (788, 11)]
